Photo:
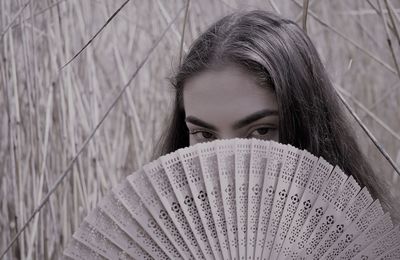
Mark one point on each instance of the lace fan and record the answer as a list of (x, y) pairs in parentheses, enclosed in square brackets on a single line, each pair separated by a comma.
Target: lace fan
[(237, 199)]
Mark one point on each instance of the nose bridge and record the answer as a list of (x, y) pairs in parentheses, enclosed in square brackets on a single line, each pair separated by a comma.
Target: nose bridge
[(228, 134)]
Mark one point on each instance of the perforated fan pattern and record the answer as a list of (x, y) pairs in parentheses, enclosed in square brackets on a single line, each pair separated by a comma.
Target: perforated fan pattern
[(226, 167), (306, 164), (77, 250), (390, 240), (289, 165), (376, 230), (319, 175), (328, 194), (258, 163), (241, 199), (391, 255), (177, 177), (147, 194), (192, 167), (209, 166), (159, 180), (366, 218)]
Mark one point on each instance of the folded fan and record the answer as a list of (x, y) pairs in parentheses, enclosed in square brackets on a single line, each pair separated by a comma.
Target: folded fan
[(237, 199)]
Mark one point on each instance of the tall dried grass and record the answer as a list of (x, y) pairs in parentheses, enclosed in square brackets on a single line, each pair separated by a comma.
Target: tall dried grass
[(47, 113)]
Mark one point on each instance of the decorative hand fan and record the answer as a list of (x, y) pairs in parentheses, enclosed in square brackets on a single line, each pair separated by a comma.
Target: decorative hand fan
[(237, 199)]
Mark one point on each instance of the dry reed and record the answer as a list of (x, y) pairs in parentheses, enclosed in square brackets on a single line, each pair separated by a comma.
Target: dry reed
[(48, 113)]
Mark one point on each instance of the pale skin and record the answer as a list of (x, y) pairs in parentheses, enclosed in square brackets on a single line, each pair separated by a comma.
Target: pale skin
[(228, 103)]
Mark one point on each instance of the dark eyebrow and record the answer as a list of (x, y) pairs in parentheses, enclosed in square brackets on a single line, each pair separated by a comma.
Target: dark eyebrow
[(199, 122), (239, 124), (254, 117)]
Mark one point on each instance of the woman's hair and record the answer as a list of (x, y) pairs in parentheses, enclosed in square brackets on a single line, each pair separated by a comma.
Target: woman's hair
[(282, 57)]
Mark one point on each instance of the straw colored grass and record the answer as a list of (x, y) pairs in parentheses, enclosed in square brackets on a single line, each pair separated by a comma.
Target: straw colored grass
[(48, 111)]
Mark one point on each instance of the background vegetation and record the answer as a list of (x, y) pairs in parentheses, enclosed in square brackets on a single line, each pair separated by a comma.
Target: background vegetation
[(49, 107)]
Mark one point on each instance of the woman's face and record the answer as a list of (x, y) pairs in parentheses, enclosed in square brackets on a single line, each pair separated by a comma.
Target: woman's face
[(228, 103)]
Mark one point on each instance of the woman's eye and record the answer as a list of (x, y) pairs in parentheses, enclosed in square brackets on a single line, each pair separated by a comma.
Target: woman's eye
[(202, 134), (260, 132)]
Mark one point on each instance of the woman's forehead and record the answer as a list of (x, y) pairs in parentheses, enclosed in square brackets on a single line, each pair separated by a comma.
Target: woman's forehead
[(229, 92)]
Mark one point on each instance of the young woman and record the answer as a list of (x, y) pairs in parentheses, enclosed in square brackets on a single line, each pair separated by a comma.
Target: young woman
[(254, 74)]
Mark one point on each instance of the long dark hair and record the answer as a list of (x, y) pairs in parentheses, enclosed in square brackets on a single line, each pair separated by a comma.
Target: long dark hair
[(282, 57)]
